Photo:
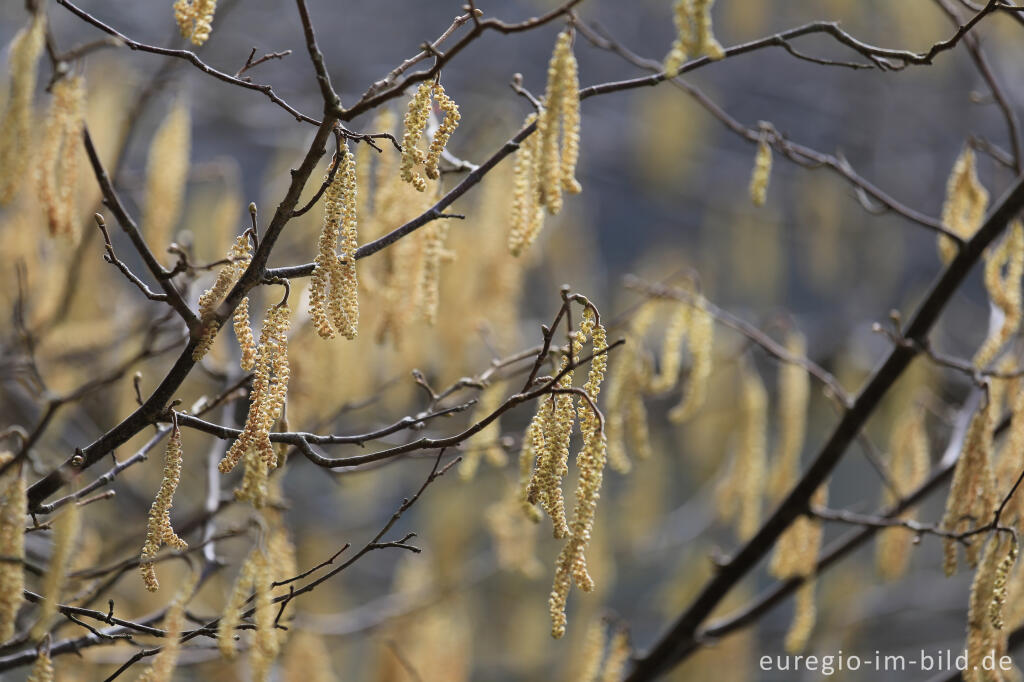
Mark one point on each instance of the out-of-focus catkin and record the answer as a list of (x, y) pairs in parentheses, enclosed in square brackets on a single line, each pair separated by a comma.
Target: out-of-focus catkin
[(672, 350), (700, 342), (159, 531), (65, 533), (57, 171), (195, 19), (334, 290), (489, 437), (762, 173), (618, 656), (166, 661), (232, 616), (972, 494), (1004, 291), (16, 122), (42, 669), (13, 503), (964, 207), (740, 493), (794, 395), (266, 644), (626, 413), (430, 275), (908, 468), (984, 637), (166, 177), (695, 36)]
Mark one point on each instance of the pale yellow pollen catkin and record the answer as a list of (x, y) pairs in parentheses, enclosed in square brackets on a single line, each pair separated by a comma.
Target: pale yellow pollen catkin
[(42, 669), (793, 397), (515, 535), (243, 332), (552, 122), (972, 494), (307, 659), (443, 133), (266, 644), (527, 214), (671, 350), (965, 204), (570, 151), (619, 652), (166, 177), (804, 616), (700, 342), (694, 35), (255, 477), (532, 447), (57, 171), (984, 638), (334, 291), (1004, 291), (592, 655), (999, 585), (166, 661), (761, 174), (16, 121), (13, 503), (239, 257), (195, 19), (908, 469), (555, 417), (430, 276), (65, 533), (796, 552), (626, 413), (232, 616), (741, 493), (159, 531), (416, 119), (489, 437)]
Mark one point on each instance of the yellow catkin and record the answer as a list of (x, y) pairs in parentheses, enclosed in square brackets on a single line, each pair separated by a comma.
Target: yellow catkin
[(626, 413), (555, 417), (671, 350), (695, 37), (159, 531), (239, 256), (571, 564), (243, 332), (1011, 458), (618, 656), (16, 122), (266, 644), (334, 291), (964, 207), (592, 655), (700, 342), (1004, 291), (999, 585), (527, 214), (195, 19), (804, 616), (558, 127), (13, 503), (444, 131), (430, 276), (532, 447), (794, 395), (268, 393), (514, 535), (489, 438), (796, 553), (57, 171), (253, 488), (416, 119), (42, 669), (65, 533), (972, 494), (232, 616), (908, 468), (762, 173), (741, 493), (165, 662), (983, 637), (166, 177), (307, 659)]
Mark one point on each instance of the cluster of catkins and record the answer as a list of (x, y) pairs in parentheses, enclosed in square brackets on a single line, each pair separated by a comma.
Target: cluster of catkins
[(195, 19), (334, 289), (695, 39), (416, 120), (545, 164), (546, 450)]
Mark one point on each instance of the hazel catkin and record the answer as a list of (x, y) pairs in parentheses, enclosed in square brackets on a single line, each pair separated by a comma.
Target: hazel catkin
[(57, 171), (16, 121), (195, 19), (159, 531)]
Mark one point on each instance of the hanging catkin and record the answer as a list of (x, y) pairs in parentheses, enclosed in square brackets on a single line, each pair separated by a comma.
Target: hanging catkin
[(964, 207), (13, 502), (908, 468), (334, 290), (159, 531), (57, 171), (195, 19), (166, 177), (695, 37), (558, 127), (1004, 291), (16, 122)]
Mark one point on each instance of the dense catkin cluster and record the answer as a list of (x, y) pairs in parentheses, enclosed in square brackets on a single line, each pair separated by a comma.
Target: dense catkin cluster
[(1004, 267), (972, 495), (16, 121), (762, 173), (239, 257), (416, 119), (794, 390), (558, 127), (65, 534), (334, 290), (13, 502), (268, 393), (740, 492), (908, 468), (695, 37), (985, 633), (527, 215), (166, 661), (964, 207), (571, 565), (166, 176), (195, 19), (159, 531), (57, 172)]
